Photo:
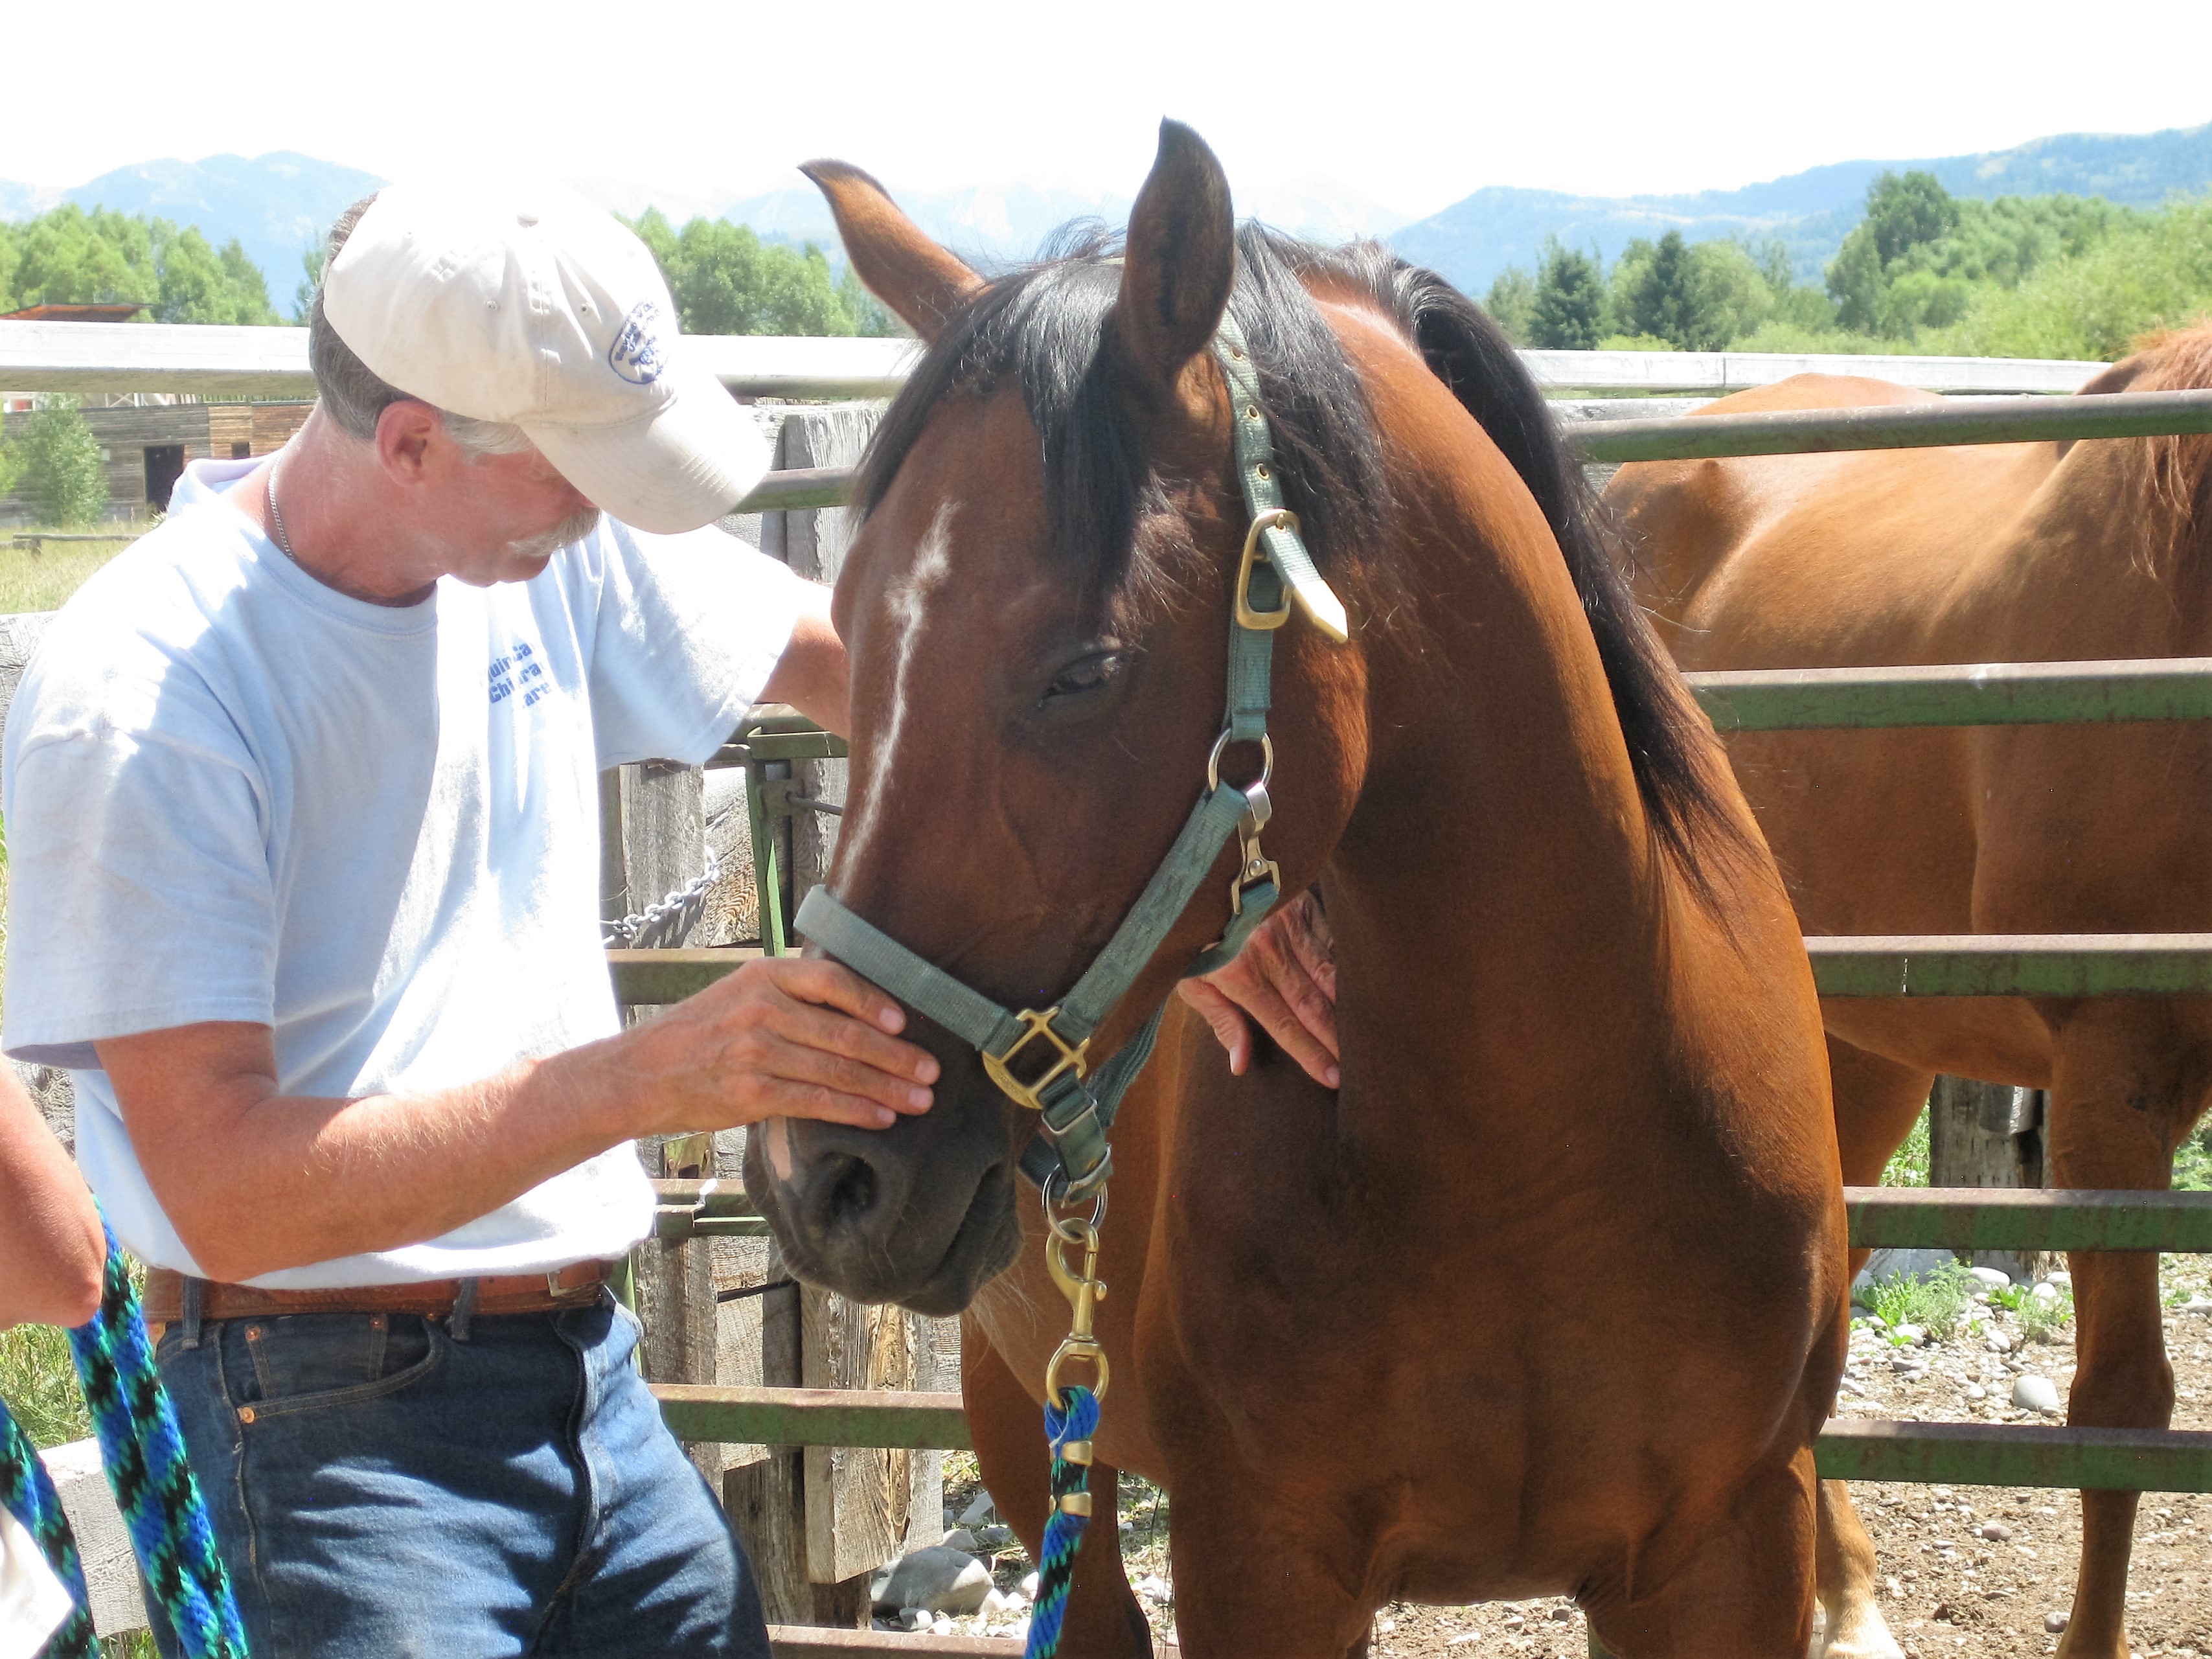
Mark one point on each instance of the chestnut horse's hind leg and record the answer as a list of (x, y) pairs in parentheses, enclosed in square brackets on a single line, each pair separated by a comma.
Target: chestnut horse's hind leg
[(1103, 1620), (2128, 1083), (1877, 1101)]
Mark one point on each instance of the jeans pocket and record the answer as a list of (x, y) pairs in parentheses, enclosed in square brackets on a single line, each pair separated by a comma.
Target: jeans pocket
[(309, 1362)]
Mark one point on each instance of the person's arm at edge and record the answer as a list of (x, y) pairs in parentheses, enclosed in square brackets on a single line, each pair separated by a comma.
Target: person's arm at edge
[(255, 1180), (50, 1237), (814, 675)]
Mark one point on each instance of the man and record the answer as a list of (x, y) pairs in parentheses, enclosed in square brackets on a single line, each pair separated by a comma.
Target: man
[(302, 809)]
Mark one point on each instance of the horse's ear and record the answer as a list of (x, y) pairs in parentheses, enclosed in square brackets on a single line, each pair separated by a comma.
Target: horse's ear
[(1180, 263), (901, 267)]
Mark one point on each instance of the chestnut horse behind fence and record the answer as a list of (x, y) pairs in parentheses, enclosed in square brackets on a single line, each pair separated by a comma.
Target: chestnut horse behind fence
[(1549, 1296), (2011, 553)]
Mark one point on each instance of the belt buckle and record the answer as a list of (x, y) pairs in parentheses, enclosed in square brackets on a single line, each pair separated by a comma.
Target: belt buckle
[(559, 1292)]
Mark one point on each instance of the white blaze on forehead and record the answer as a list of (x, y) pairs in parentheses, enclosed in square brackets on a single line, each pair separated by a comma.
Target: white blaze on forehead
[(908, 602)]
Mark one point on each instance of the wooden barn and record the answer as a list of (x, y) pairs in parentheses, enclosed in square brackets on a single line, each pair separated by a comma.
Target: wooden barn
[(147, 444)]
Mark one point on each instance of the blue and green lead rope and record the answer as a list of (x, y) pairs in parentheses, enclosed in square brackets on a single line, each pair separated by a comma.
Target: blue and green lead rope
[(1075, 1422), (144, 1451), (27, 1491)]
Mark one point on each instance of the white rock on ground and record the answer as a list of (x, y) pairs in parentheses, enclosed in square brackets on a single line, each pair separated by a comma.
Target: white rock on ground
[(979, 1511), (938, 1579), (1995, 1279), (2035, 1393)]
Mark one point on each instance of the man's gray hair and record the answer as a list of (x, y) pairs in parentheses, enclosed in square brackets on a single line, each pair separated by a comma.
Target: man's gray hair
[(354, 395)]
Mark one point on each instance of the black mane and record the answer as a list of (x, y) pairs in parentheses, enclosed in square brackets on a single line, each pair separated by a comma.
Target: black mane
[(1041, 326)]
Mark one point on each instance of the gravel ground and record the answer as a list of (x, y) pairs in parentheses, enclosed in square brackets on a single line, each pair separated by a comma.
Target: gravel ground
[(1977, 1569)]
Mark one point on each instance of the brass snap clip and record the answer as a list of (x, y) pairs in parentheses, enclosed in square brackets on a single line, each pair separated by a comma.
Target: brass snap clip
[(1084, 1292)]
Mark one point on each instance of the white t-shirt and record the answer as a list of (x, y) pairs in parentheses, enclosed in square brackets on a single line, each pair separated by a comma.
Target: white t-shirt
[(235, 794)]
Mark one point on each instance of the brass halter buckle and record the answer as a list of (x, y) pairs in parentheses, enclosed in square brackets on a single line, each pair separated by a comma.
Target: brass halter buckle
[(999, 1068), (1281, 519)]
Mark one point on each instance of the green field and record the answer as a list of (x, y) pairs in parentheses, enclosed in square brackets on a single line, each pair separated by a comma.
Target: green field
[(40, 581)]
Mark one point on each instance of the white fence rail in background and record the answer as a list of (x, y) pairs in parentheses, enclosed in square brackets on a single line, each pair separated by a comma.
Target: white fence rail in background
[(272, 363)]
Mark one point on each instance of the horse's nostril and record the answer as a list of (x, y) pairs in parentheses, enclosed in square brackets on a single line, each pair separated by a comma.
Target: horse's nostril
[(852, 1194)]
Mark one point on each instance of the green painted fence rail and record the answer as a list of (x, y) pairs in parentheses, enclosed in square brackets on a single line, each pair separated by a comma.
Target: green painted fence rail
[(1791, 432), (1864, 1448), (2015, 1454), (814, 1417), (1897, 426), (1881, 1218), (1955, 693), (2016, 1219), (705, 1209), (822, 1642), (1902, 965), (2013, 965)]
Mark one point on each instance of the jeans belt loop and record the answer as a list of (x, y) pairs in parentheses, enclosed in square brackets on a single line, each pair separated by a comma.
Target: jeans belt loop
[(189, 1309), (465, 1303)]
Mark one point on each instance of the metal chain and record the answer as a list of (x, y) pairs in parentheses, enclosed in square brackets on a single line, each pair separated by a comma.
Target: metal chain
[(669, 919)]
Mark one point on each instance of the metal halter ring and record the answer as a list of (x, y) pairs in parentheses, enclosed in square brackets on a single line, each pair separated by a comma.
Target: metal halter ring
[(1063, 1230), (1221, 744)]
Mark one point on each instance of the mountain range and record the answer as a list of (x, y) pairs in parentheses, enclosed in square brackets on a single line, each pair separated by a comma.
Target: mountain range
[(278, 206)]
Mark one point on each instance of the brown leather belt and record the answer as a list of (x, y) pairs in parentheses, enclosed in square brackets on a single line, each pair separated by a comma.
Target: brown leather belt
[(573, 1287)]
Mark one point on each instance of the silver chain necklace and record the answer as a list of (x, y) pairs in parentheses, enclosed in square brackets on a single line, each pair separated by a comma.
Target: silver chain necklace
[(277, 519)]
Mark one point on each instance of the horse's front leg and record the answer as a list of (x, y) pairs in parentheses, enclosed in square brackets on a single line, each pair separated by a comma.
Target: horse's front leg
[(1252, 1577)]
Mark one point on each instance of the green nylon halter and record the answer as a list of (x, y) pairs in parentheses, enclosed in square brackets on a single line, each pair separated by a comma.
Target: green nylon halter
[(1275, 570)]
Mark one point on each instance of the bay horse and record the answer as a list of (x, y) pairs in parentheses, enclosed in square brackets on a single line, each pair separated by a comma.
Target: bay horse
[(1548, 1296), (2012, 553)]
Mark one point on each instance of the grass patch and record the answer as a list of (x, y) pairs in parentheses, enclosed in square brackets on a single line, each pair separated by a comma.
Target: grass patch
[(42, 581), (1936, 1301), (2038, 1316), (2193, 1162), (38, 1379), (1908, 1164)]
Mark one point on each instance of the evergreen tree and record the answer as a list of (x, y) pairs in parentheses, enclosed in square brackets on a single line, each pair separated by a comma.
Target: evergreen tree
[(1571, 310), (1511, 304)]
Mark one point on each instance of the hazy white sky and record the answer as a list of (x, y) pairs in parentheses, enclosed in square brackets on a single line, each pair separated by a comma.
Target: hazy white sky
[(1417, 104)]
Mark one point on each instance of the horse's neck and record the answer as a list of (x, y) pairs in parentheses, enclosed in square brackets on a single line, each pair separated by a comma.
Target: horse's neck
[(1496, 898)]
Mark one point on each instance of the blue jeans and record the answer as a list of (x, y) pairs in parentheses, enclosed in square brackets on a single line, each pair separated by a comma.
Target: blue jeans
[(381, 1488)]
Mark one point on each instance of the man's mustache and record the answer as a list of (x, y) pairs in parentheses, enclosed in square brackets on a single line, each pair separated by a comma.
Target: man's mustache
[(569, 531)]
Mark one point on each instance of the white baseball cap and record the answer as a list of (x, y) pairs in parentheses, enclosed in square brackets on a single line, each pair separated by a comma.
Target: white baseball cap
[(538, 309)]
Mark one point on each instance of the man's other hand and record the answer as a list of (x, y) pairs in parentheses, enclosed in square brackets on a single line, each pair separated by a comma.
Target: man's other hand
[(783, 1036), (1286, 978)]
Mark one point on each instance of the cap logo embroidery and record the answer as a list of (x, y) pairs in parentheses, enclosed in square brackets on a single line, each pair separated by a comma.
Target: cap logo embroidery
[(636, 352)]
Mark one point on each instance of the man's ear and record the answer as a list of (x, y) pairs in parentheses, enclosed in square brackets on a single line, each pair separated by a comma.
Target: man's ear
[(901, 267), (405, 433)]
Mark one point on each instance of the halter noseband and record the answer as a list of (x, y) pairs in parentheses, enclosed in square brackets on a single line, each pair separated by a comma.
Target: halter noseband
[(1071, 1156)]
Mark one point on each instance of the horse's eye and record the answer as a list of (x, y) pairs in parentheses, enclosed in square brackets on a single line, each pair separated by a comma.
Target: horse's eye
[(1091, 673)]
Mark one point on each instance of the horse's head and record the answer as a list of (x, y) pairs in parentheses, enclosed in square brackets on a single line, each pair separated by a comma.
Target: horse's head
[(1038, 610)]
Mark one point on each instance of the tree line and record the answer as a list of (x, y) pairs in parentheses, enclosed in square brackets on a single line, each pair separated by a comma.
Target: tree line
[(724, 278), (1923, 271)]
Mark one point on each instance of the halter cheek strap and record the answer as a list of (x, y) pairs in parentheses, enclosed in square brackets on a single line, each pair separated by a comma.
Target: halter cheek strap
[(1040, 1059)]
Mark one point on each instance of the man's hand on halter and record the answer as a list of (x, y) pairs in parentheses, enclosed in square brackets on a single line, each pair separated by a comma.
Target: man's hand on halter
[(1286, 978)]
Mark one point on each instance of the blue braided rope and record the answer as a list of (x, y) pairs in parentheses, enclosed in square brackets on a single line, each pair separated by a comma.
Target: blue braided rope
[(1063, 1532), (144, 1451), (27, 1491)]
